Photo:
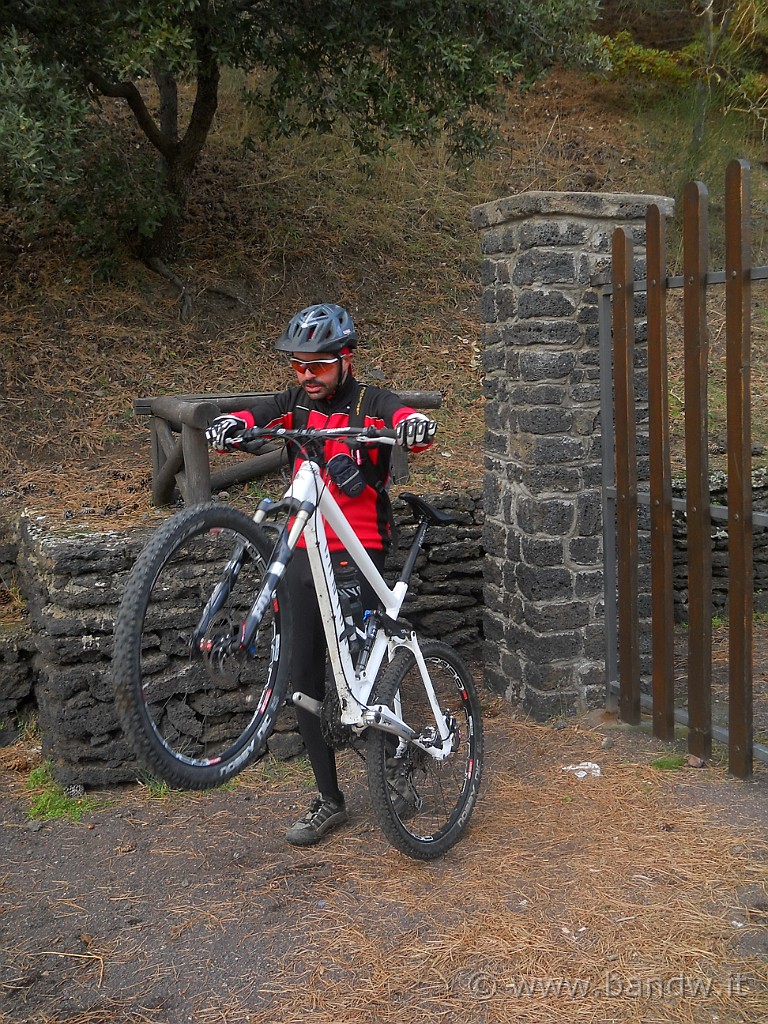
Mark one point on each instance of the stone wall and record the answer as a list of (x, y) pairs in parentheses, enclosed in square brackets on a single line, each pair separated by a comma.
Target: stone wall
[(17, 676), (17, 648), (543, 500), (718, 490), (73, 583)]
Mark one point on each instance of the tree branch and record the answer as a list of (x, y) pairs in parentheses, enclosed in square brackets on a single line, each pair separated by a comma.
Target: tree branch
[(204, 108), (169, 104), (129, 92)]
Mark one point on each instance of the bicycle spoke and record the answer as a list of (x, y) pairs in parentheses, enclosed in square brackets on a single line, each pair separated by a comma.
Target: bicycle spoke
[(423, 803), (196, 704)]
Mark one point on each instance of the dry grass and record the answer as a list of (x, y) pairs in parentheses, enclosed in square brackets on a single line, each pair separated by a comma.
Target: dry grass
[(300, 222), (266, 235)]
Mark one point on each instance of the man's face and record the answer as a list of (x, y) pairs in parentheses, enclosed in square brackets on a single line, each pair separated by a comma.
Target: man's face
[(319, 373)]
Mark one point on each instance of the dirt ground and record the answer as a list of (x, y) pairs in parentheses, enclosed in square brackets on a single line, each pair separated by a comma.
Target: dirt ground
[(634, 895)]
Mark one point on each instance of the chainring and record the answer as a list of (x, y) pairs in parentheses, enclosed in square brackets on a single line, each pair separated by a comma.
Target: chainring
[(335, 734)]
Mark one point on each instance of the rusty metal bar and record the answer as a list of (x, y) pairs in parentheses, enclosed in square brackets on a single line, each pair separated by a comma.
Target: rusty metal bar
[(738, 296), (713, 277), (626, 474), (696, 347), (662, 587)]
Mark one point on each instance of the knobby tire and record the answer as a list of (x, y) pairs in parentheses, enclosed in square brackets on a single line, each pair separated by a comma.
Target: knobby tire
[(195, 709), (423, 805)]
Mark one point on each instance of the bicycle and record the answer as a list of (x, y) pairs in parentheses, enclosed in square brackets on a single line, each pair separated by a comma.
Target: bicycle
[(202, 645)]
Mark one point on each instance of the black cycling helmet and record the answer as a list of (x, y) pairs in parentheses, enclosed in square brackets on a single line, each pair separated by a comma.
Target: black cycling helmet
[(322, 328)]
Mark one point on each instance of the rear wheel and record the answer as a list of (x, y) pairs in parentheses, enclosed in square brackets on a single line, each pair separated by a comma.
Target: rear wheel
[(423, 804), (196, 706)]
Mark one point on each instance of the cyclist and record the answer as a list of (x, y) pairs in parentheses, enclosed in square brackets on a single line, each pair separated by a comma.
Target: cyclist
[(320, 341)]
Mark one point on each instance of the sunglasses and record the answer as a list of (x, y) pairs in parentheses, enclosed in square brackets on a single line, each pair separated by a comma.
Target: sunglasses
[(317, 366)]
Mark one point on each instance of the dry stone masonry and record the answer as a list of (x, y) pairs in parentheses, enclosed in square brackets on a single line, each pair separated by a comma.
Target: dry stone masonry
[(73, 583), (543, 536)]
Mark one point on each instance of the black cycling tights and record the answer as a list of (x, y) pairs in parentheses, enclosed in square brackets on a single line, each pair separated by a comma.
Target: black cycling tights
[(309, 657)]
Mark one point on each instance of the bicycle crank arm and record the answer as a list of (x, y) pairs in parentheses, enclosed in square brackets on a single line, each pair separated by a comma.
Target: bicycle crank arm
[(380, 717), (301, 700)]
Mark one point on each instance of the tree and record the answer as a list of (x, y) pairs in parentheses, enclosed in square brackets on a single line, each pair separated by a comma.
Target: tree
[(726, 61), (388, 68)]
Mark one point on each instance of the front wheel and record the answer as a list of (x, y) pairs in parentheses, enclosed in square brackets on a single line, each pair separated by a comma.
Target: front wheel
[(195, 703), (423, 804)]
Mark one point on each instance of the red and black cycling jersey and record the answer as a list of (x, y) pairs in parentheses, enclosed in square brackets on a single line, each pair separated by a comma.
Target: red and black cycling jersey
[(369, 513)]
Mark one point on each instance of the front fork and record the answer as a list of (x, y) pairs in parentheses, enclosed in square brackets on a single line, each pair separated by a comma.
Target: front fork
[(275, 572)]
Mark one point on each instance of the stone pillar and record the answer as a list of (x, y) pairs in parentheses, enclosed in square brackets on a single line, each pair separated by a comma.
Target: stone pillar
[(543, 500)]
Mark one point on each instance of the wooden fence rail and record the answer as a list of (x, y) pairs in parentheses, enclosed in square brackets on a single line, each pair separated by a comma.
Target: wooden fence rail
[(180, 455), (696, 279)]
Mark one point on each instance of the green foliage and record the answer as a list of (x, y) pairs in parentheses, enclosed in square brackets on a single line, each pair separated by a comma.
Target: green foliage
[(408, 69), (41, 119), (668, 762), (626, 59), (156, 788), (425, 70), (726, 63), (56, 162), (297, 770), (51, 802), (117, 198)]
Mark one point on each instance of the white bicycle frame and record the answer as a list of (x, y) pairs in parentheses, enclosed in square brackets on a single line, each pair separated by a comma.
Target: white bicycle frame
[(318, 504)]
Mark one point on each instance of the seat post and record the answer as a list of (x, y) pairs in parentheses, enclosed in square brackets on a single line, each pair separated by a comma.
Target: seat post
[(413, 552)]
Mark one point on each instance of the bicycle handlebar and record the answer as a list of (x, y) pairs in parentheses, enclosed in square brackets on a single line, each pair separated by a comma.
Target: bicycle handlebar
[(257, 436)]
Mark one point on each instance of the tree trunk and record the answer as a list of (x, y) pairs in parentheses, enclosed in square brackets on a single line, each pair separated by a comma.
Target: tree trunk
[(165, 241), (179, 157)]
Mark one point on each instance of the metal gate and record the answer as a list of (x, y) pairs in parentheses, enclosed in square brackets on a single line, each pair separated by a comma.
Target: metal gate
[(623, 495)]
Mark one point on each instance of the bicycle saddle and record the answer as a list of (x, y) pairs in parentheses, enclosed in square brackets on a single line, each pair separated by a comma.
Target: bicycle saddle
[(423, 510)]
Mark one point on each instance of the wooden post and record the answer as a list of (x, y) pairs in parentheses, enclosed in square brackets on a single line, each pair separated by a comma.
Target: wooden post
[(662, 586), (738, 295), (195, 484), (696, 345), (167, 458)]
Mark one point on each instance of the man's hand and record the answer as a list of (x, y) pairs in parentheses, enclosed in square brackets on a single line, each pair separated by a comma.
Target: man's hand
[(416, 431), (223, 427)]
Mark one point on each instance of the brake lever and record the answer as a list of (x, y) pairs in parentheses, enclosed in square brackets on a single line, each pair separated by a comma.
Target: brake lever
[(245, 443), (391, 441)]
